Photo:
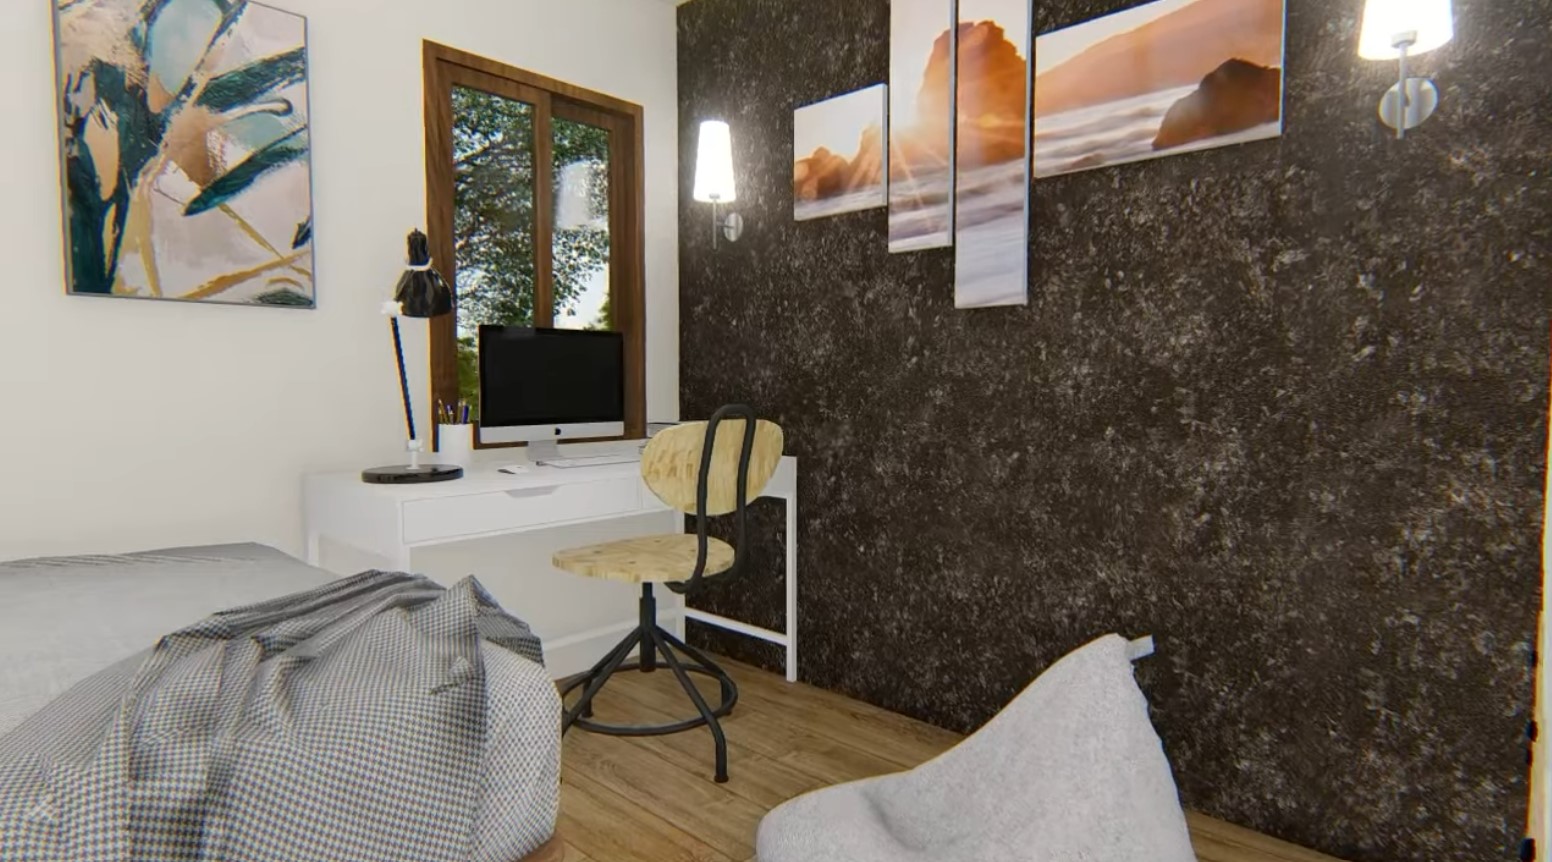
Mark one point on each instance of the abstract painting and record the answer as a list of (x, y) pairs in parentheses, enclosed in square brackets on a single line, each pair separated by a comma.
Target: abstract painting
[(838, 145), (921, 130), (991, 221), (1164, 78), (186, 150)]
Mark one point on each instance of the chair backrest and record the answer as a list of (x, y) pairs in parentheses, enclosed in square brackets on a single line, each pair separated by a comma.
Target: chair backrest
[(671, 464)]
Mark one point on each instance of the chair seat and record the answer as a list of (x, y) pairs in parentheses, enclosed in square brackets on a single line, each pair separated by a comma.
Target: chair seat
[(645, 560)]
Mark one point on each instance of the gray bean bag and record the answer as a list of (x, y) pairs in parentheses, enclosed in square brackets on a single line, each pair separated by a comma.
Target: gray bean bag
[(1071, 771)]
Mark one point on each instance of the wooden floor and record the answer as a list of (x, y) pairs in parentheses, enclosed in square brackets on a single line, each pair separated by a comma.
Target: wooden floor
[(652, 799)]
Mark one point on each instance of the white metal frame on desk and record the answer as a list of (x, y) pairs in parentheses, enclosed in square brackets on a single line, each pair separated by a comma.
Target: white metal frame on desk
[(783, 486), (393, 520)]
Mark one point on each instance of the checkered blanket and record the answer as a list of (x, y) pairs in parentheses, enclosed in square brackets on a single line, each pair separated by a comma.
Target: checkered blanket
[(343, 723)]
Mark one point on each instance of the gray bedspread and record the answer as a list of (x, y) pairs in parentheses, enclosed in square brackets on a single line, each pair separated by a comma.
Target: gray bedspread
[(348, 722)]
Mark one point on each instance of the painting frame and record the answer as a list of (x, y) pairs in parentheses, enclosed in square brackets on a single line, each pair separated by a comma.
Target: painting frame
[(994, 195), (921, 132), (827, 184), (1199, 75), (197, 207)]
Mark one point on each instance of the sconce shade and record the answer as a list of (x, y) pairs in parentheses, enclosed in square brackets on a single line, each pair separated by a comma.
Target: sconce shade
[(714, 164), (421, 291), (1432, 20)]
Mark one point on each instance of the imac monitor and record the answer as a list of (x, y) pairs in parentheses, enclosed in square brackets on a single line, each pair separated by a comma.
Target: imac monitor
[(538, 386)]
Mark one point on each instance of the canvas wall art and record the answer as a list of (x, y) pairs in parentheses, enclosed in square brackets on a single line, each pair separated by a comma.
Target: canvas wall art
[(921, 124), (991, 222), (1168, 77), (839, 161), (186, 150)]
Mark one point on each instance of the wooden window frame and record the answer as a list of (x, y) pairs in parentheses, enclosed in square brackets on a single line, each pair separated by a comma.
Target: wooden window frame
[(447, 67)]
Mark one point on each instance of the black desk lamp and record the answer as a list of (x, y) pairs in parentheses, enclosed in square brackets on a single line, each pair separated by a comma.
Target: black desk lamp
[(422, 293)]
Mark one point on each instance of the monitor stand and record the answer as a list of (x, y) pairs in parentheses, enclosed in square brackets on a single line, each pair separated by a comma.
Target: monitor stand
[(543, 451)]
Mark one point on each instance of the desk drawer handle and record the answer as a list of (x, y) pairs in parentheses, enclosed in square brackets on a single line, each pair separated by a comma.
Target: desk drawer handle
[(520, 493)]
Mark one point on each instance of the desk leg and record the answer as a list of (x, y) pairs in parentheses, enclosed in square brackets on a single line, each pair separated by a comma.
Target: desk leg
[(401, 559), (314, 549), (792, 588)]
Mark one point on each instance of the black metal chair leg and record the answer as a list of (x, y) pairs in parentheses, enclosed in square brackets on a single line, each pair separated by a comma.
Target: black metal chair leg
[(632, 639), (598, 678), (648, 605), (729, 688), (700, 702)]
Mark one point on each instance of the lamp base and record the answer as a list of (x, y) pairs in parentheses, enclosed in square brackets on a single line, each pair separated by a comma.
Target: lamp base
[(408, 475), (1422, 100)]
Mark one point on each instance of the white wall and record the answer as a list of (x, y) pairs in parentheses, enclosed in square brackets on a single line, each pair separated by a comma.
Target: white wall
[(133, 424)]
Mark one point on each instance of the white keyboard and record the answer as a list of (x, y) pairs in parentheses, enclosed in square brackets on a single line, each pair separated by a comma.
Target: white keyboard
[(591, 461)]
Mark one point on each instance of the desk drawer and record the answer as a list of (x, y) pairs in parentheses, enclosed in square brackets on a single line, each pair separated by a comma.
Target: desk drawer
[(498, 511)]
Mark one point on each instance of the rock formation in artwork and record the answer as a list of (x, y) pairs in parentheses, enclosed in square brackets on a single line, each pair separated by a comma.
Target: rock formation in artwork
[(867, 167), (824, 174), (993, 96), (1238, 95), (992, 101), (1176, 50), (933, 105), (927, 143)]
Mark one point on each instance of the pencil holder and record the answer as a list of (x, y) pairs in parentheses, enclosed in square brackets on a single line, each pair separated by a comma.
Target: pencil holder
[(455, 444)]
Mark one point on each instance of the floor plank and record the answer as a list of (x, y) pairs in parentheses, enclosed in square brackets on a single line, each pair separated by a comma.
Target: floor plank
[(859, 725), (824, 758), (795, 739), (610, 828), (651, 799), (756, 777), (703, 808), (1217, 841)]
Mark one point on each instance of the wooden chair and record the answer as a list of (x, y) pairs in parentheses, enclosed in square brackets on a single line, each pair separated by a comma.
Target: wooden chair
[(706, 469)]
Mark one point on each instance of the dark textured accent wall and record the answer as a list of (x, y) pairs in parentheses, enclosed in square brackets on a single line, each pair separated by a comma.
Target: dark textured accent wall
[(1282, 406)]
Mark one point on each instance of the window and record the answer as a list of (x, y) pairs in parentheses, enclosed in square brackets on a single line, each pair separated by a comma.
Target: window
[(534, 199)]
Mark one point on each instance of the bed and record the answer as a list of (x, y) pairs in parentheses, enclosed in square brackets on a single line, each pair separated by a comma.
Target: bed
[(63, 619)]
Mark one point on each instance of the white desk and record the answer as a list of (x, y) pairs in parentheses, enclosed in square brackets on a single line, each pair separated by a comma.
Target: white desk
[(393, 520)]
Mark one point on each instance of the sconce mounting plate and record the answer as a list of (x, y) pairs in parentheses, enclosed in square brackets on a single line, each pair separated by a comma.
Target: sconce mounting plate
[(1422, 101), (733, 226)]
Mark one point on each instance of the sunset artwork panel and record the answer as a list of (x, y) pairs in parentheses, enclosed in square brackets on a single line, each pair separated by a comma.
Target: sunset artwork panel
[(921, 132), (839, 162), (991, 222), (1168, 77)]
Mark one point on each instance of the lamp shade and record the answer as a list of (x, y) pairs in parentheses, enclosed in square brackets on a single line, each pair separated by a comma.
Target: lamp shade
[(714, 164), (422, 292), (1383, 20)]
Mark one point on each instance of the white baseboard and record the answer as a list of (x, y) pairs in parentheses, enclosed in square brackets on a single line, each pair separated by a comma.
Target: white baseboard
[(576, 653)]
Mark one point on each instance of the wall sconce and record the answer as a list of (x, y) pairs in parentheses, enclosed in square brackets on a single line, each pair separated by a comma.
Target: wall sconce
[(714, 179), (1399, 30)]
